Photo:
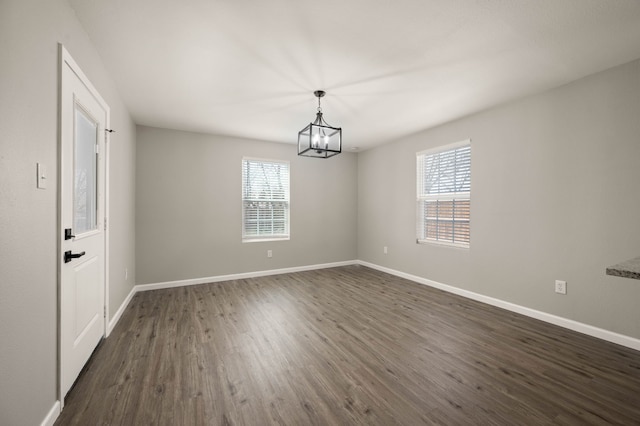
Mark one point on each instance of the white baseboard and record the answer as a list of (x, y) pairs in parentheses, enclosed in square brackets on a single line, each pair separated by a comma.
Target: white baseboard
[(52, 415), (589, 330), (116, 317), (241, 276)]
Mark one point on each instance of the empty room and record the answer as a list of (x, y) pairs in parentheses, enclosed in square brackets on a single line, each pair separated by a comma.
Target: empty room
[(284, 212)]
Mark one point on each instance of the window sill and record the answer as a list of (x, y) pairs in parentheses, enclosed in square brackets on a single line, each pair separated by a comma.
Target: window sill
[(443, 243), (258, 240)]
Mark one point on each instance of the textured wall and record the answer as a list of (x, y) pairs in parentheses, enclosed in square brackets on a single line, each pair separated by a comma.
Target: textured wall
[(554, 196), (189, 209), (29, 35)]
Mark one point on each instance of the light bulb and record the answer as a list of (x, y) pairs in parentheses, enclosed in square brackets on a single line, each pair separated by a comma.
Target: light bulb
[(326, 142)]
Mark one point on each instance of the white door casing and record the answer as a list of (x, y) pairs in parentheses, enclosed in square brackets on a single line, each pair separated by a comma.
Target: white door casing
[(84, 116)]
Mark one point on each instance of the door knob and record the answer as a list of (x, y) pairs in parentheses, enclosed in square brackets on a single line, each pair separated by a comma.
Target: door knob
[(68, 256)]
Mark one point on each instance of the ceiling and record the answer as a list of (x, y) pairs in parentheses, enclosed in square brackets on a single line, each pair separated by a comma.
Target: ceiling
[(248, 68)]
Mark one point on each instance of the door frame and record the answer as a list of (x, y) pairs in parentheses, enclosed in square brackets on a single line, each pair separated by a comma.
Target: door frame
[(65, 59)]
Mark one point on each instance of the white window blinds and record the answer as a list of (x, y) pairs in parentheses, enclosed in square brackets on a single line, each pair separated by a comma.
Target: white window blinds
[(444, 195), (265, 199)]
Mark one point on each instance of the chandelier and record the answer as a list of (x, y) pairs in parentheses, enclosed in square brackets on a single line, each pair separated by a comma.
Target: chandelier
[(319, 139)]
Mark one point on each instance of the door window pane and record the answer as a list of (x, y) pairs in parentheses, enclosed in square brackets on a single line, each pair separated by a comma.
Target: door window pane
[(85, 174)]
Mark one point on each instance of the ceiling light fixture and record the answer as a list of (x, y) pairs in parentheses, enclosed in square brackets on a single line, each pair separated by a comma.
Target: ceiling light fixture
[(319, 139)]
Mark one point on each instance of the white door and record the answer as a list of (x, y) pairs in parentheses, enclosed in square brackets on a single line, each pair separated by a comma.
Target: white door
[(83, 119)]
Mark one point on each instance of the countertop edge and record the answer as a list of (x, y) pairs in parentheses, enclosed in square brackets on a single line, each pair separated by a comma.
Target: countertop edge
[(627, 269)]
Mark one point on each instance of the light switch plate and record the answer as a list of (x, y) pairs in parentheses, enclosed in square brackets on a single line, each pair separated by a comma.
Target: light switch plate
[(41, 171)]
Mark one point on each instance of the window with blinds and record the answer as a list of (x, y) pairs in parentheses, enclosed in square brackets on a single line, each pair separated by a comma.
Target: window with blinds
[(444, 195), (265, 199)]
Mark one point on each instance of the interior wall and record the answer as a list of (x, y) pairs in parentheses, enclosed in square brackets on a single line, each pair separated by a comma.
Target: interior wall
[(554, 196), (189, 209), (30, 31)]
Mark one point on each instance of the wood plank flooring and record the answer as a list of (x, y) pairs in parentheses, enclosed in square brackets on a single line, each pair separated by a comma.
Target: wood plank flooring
[(345, 346)]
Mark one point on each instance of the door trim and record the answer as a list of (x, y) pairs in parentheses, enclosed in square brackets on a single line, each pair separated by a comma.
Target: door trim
[(65, 59)]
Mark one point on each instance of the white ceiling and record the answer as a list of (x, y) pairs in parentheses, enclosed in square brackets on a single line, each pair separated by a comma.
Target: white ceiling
[(248, 68)]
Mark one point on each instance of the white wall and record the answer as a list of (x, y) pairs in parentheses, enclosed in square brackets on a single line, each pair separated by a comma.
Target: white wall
[(188, 212), (30, 31), (554, 196)]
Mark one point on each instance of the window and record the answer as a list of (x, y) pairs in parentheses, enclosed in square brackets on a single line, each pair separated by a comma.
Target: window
[(265, 200), (444, 195)]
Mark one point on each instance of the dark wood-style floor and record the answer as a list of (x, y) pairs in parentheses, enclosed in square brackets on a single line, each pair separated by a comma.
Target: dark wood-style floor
[(345, 346)]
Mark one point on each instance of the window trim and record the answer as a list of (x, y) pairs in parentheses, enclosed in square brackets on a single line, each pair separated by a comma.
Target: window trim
[(255, 238), (448, 196)]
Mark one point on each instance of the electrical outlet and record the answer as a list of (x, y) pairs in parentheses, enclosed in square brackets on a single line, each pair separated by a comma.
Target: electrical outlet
[(561, 287), (384, 250), (269, 253)]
